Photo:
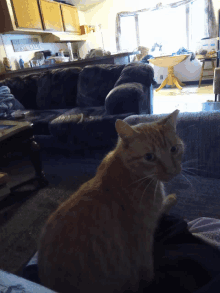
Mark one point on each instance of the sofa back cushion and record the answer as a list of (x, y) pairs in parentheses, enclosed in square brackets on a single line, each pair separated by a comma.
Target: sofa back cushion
[(95, 82), (24, 89), (57, 89), (137, 72)]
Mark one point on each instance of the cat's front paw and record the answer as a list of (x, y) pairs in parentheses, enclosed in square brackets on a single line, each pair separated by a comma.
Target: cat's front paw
[(169, 202), (172, 198)]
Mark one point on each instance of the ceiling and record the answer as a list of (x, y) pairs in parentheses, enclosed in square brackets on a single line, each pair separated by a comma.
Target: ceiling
[(84, 5)]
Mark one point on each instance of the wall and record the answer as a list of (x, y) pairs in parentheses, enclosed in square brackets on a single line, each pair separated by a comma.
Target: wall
[(105, 14)]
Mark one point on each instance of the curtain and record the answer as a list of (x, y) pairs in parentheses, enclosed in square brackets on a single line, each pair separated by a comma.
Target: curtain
[(211, 27), (183, 23)]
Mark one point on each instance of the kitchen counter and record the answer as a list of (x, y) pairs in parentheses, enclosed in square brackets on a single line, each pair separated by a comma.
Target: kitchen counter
[(119, 58)]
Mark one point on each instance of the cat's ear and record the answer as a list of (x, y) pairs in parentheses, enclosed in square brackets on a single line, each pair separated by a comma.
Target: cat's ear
[(170, 120), (124, 130)]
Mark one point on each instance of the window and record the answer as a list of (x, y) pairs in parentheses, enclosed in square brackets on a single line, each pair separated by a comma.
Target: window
[(128, 33), (196, 23), (165, 26), (172, 27)]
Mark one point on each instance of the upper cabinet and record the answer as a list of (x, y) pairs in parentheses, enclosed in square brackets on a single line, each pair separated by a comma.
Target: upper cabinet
[(38, 17), (70, 19), (27, 14), (51, 16)]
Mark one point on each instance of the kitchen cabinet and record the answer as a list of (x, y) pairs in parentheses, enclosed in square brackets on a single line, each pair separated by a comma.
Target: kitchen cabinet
[(51, 16), (27, 14), (20, 16), (70, 19), (38, 17)]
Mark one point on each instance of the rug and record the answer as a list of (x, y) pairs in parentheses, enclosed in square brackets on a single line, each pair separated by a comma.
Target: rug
[(23, 215)]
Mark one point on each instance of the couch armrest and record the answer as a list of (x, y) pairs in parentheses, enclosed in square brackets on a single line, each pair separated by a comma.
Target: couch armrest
[(200, 131), (130, 97)]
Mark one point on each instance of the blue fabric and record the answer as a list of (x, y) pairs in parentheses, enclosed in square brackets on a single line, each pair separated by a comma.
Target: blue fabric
[(182, 262), (8, 102)]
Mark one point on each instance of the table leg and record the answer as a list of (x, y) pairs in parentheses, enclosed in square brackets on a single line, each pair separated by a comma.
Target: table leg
[(34, 152), (180, 82), (213, 66), (201, 75), (176, 83), (162, 84)]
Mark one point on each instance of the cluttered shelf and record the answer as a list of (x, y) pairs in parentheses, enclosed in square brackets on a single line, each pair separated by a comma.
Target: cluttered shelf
[(119, 58)]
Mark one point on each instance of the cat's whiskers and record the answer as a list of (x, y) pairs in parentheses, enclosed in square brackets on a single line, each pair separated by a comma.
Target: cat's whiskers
[(191, 168), (187, 179), (192, 174), (144, 180), (189, 161), (146, 189), (146, 177), (155, 190)]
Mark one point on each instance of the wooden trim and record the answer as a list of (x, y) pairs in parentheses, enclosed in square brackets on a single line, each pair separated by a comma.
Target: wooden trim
[(7, 22)]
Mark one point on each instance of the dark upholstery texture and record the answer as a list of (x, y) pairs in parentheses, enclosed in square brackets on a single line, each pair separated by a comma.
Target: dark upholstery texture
[(125, 98), (95, 82), (136, 72), (24, 89), (86, 133), (57, 89)]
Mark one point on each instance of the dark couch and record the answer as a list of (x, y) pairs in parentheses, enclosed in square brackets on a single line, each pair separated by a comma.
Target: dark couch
[(76, 108)]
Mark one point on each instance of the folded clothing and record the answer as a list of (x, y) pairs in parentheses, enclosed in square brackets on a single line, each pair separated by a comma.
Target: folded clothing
[(8, 101)]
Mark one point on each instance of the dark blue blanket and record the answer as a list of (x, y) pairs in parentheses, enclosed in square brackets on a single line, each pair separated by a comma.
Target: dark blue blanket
[(183, 263)]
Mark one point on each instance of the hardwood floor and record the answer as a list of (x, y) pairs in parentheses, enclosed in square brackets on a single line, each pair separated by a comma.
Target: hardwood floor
[(189, 99)]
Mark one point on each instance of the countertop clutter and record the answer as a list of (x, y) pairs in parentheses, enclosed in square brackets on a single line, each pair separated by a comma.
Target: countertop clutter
[(118, 58)]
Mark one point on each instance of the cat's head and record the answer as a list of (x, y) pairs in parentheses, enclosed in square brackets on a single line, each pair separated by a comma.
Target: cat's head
[(151, 149)]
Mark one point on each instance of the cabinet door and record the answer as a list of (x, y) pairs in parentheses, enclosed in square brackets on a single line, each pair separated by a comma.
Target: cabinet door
[(70, 19), (27, 14), (51, 15)]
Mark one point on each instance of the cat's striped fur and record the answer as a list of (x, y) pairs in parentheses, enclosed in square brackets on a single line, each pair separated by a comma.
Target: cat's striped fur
[(101, 238)]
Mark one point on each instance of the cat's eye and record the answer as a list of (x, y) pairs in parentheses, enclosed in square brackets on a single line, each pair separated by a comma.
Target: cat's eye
[(149, 157), (173, 149)]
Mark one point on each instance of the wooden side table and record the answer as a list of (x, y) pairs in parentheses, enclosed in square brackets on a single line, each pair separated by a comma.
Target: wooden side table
[(170, 62), (19, 136), (204, 60)]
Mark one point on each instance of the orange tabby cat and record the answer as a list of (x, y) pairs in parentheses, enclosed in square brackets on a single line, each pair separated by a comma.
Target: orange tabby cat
[(101, 238)]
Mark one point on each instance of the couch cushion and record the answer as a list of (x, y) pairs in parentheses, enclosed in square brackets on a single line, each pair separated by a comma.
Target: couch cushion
[(24, 89), (197, 196), (95, 82), (41, 119), (85, 131), (137, 72), (57, 89)]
